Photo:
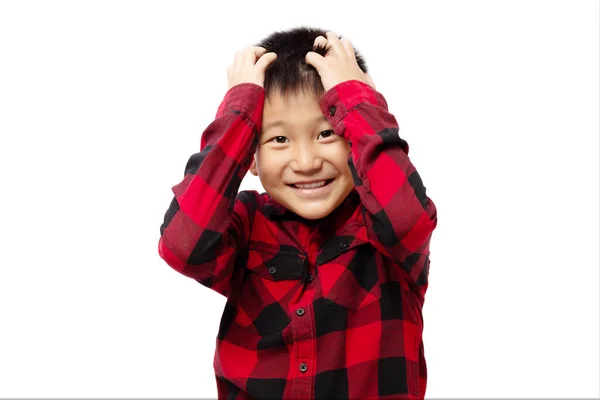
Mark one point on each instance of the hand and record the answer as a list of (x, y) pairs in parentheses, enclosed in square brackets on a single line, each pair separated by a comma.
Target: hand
[(249, 66), (339, 64)]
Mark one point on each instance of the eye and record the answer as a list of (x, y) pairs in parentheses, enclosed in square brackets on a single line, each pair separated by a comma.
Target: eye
[(327, 133), (278, 139)]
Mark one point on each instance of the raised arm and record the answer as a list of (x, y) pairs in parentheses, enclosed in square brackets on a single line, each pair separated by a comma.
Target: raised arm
[(400, 217), (207, 221)]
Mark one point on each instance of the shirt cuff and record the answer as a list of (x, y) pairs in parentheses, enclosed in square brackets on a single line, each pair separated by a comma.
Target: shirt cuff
[(342, 98), (245, 98)]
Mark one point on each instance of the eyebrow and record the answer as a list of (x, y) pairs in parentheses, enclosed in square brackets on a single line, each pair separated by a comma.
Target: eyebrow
[(320, 118)]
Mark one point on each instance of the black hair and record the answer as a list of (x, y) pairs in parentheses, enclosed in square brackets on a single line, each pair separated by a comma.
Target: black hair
[(290, 73)]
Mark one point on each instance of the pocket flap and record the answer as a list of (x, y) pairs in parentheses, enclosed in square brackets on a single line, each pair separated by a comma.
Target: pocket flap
[(276, 265), (336, 246)]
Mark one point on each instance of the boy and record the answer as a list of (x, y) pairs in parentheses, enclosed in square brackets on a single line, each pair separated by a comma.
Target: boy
[(325, 273)]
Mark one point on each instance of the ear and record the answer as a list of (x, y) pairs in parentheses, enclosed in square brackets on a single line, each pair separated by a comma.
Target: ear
[(253, 169)]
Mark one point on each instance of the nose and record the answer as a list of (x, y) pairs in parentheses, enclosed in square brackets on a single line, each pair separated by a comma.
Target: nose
[(306, 160)]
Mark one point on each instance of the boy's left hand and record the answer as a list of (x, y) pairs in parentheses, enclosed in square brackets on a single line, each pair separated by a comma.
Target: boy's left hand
[(339, 64)]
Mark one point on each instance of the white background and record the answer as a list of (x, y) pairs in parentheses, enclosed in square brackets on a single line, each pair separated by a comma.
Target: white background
[(101, 104)]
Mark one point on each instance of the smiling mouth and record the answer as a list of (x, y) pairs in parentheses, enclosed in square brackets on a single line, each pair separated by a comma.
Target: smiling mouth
[(315, 185)]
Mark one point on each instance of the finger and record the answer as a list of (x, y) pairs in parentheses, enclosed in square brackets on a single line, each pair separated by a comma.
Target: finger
[(347, 45), (250, 54), (259, 51), (314, 59), (320, 41), (265, 60), (334, 41), (253, 53)]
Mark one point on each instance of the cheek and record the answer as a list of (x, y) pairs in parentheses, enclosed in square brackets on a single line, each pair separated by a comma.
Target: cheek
[(269, 164), (339, 156)]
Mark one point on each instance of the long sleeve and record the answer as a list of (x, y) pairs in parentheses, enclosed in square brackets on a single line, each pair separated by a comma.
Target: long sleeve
[(207, 221), (400, 218)]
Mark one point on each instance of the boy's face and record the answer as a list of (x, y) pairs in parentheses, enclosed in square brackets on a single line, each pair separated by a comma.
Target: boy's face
[(297, 147)]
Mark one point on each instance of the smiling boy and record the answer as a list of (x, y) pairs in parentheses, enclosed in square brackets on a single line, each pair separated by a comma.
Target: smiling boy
[(307, 173), (325, 273)]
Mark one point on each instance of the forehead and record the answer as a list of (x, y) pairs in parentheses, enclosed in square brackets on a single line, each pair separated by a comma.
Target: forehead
[(291, 107)]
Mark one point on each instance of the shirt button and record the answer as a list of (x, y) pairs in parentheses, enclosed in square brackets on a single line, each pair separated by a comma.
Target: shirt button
[(303, 367), (332, 111), (343, 245), (300, 312), (272, 270), (310, 278)]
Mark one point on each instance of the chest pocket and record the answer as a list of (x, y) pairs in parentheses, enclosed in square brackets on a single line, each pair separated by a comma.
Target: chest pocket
[(271, 279), (348, 272)]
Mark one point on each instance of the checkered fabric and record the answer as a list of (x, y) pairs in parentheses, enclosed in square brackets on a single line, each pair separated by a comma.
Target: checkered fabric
[(322, 309)]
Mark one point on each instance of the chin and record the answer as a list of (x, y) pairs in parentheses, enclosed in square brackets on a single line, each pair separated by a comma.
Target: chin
[(313, 214), (315, 210)]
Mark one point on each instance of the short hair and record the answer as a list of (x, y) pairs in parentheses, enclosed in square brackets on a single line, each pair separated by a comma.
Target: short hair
[(289, 73)]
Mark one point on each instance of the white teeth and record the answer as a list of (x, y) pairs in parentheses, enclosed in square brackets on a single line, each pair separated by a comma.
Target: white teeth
[(310, 185)]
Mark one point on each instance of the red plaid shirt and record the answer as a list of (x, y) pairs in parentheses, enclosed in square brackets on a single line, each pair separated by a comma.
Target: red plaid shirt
[(315, 309)]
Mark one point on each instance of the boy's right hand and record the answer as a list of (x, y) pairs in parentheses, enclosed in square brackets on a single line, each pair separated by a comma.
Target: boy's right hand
[(249, 66)]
